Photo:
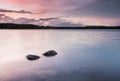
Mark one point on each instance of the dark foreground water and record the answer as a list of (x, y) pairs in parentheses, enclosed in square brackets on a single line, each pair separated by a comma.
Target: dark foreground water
[(83, 55)]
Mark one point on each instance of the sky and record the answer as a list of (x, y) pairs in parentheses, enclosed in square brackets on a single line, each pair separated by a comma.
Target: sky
[(61, 12)]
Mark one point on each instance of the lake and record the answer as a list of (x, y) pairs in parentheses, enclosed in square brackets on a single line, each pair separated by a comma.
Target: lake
[(83, 55)]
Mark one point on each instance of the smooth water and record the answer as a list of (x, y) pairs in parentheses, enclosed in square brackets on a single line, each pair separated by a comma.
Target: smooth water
[(83, 55)]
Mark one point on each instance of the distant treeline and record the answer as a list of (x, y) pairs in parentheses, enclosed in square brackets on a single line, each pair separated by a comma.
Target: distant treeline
[(31, 26)]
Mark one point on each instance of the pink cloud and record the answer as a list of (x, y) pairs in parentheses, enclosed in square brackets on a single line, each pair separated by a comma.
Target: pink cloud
[(39, 5), (47, 6)]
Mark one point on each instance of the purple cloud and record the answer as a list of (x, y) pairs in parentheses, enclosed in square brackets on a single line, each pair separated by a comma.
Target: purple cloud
[(57, 22), (14, 11), (47, 22)]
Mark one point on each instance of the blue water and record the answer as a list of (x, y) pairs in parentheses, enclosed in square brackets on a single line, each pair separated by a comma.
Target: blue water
[(83, 55)]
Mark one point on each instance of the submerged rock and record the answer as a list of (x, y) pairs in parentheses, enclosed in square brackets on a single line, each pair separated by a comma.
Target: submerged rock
[(50, 53), (32, 57)]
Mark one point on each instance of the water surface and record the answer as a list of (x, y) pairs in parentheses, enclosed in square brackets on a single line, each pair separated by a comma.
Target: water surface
[(83, 55)]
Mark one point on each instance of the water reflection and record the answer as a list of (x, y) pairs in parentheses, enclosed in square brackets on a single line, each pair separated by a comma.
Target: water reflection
[(83, 55)]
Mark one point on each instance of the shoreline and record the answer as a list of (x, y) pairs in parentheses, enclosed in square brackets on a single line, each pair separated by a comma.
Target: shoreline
[(31, 26)]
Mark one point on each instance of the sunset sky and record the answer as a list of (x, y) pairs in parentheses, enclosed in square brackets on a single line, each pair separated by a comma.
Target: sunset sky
[(61, 12)]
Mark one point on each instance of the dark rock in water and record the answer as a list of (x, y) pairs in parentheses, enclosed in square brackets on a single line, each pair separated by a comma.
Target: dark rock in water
[(50, 53), (32, 57)]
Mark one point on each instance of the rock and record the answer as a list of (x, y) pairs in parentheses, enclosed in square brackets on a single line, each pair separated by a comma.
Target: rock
[(50, 53), (32, 57)]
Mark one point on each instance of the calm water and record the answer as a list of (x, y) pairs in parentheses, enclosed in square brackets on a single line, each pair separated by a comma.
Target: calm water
[(83, 55)]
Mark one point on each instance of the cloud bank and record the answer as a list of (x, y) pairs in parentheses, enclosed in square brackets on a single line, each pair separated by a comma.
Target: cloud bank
[(99, 12), (56, 22)]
